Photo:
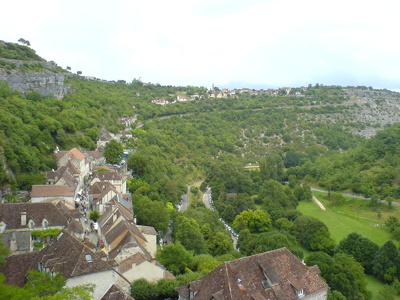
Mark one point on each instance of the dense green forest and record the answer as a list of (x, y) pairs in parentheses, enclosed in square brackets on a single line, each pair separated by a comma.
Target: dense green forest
[(293, 141)]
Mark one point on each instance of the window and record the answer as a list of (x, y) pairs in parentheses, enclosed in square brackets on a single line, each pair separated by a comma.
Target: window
[(2, 227), (300, 293), (45, 224), (31, 225)]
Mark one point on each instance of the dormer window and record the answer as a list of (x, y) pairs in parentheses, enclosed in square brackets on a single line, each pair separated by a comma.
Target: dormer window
[(300, 293), (45, 224), (31, 225)]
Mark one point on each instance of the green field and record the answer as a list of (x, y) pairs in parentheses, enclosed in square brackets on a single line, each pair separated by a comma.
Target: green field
[(353, 216)]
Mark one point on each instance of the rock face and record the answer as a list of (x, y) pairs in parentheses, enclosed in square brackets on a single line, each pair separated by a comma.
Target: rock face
[(45, 83)]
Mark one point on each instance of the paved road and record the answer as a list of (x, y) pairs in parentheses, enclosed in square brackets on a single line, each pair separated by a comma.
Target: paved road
[(206, 198), (184, 205), (352, 195)]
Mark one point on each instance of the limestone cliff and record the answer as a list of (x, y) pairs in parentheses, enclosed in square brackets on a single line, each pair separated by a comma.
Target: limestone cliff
[(46, 83)]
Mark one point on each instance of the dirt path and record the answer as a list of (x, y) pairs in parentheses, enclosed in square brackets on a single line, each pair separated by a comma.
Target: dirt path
[(319, 203)]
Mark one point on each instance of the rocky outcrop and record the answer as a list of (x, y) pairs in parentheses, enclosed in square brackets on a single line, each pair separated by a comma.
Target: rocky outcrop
[(45, 83)]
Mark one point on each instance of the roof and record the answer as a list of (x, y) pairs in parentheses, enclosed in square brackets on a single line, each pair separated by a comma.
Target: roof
[(109, 175), (52, 191), (17, 266), (67, 255), (114, 293), (94, 154), (10, 213), (75, 152), (270, 275), (147, 229)]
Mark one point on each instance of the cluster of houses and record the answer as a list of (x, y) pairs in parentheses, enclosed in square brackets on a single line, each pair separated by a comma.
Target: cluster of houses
[(117, 251), (109, 255), (227, 93)]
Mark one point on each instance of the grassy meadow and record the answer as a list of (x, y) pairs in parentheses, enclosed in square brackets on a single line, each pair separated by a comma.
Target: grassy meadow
[(355, 215)]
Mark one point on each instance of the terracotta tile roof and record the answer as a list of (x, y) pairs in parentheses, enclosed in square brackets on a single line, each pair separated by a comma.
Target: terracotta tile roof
[(52, 191), (78, 154), (10, 213), (271, 275), (114, 293), (75, 152), (17, 266)]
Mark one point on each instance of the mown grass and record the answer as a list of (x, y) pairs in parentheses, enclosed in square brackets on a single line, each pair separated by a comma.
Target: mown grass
[(355, 215), (374, 285)]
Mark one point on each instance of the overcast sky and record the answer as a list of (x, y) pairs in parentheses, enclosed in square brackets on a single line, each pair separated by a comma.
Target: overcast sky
[(229, 43)]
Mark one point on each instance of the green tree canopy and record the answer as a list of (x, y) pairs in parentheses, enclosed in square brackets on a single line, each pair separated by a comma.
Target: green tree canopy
[(175, 258), (253, 220), (113, 152)]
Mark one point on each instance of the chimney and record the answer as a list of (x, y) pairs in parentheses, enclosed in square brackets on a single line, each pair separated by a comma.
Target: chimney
[(13, 242), (23, 218)]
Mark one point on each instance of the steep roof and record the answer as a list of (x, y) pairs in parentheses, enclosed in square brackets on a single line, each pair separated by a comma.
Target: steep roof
[(107, 176), (67, 255), (75, 152), (10, 213), (114, 293), (93, 154), (17, 266), (273, 275), (52, 191)]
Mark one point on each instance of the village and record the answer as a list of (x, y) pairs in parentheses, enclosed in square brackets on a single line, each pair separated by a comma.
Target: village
[(224, 93), (110, 253)]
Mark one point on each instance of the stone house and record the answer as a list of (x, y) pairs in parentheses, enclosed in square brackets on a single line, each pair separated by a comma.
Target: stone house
[(276, 274), (73, 260), (132, 246), (78, 159), (17, 220), (53, 193), (104, 139), (95, 158), (115, 178), (103, 193)]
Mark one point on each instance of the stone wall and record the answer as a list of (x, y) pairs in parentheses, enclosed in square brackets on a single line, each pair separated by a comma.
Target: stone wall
[(45, 83)]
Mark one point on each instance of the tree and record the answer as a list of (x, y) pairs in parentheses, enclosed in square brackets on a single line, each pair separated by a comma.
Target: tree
[(253, 220), (175, 258), (313, 234), (94, 215), (186, 231), (219, 243), (384, 262), (25, 42), (151, 213), (138, 164), (113, 152), (272, 167), (361, 248), (273, 240), (42, 283), (392, 223), (142, 289), (204, 263), (342, 273)]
